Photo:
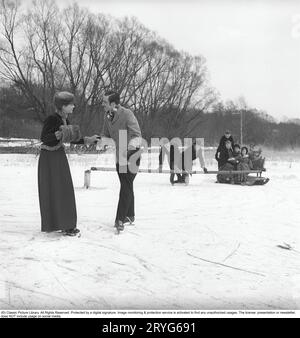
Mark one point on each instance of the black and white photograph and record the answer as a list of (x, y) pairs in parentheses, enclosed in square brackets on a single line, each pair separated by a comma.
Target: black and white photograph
[(150, 157)]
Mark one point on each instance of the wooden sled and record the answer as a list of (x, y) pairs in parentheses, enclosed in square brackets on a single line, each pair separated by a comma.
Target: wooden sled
[(250, 181)]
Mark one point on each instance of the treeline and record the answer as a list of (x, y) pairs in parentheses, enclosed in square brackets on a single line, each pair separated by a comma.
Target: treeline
[(48, 49), (257, 127), (19, 119)]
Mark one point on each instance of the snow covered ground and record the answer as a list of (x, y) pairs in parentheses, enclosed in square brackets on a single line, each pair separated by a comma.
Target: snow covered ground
[(202, 246)]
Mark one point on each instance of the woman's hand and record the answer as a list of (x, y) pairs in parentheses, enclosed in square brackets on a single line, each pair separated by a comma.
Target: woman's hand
[(58, 134)]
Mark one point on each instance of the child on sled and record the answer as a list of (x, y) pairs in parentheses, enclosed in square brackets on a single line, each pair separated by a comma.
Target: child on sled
[(245, 163)]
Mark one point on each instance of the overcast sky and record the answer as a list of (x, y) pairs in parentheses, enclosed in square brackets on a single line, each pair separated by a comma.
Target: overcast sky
[(252, 47)]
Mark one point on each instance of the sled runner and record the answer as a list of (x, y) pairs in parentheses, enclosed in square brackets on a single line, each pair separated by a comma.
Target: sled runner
[(256, 181), (250, 180)]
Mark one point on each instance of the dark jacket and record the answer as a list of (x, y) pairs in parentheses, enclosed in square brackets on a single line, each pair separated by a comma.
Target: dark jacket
[(171, 156), (224, 156), (180, 156), (223, 141), (51, 125), (222, 147)]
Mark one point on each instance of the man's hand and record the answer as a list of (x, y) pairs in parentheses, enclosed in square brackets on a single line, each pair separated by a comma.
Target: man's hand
[(92, 139), (95, 138)]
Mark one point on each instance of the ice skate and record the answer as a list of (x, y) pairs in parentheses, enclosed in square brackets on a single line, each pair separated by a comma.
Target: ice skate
[(119, 226), (129, 220), (72, 232)]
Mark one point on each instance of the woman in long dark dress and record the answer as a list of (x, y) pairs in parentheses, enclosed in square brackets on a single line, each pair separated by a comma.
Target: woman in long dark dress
[(56, 191)]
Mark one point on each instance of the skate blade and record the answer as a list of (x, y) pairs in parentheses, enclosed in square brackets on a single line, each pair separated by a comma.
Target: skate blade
[(129, 224), (73, 235), (118, 231)]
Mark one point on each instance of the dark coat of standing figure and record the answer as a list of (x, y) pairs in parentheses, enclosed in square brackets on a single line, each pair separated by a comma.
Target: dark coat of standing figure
[(224, 156), (186, 165), (116, 119), (245, 163), (222, 148), (226, 162), (56, 192), (173, 153)]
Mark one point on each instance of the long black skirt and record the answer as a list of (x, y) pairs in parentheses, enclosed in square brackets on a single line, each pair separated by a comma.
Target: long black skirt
[(56, 191)]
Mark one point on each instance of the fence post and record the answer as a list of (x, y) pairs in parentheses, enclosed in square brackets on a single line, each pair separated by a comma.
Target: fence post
[(87, 179)]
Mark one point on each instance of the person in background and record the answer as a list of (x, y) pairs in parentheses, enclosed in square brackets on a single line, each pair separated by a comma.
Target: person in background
[(171, 151), (254, 151), (236, 154), (236, 150), (55, 186), (226, 162), (177, 160), (227, 136), (224, 153), (222, 144), (245, 163), (255, 155), (196, 152)]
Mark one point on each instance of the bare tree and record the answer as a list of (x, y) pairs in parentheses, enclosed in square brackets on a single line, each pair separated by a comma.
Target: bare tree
[(15, 64), (75, 50)]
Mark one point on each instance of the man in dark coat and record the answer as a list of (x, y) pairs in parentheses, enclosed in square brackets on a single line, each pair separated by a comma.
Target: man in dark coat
[(224, 154), (227, 136), (226, 162), (173, 155), (182, 161), (195, 151), (221, 151)]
